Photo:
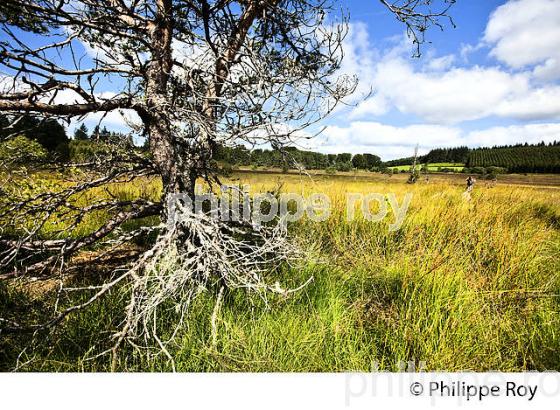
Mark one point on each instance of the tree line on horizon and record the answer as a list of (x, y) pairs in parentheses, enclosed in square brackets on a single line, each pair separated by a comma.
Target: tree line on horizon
[(454, 155), (515, 158), (52, 142), (292, 158)]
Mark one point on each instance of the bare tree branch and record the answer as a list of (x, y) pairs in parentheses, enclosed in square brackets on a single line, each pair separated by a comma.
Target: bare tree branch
[(419, 16)]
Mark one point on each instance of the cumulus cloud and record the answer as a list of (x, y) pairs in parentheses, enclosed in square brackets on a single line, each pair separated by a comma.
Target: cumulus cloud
[(442, 94), (446, 91), (537, 104), (452, 96), (514, 134), (443, 90), (360, 58), (122, 119), (378, 134), (524, 33), (376, 105)]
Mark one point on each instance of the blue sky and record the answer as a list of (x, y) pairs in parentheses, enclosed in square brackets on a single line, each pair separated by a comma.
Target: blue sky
[(492, 80)]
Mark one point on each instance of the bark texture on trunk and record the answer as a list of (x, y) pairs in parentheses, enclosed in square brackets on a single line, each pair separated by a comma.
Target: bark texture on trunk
[(178, 173)]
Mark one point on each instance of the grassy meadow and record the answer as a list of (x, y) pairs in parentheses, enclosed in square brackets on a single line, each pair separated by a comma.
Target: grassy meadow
[(462, 285)]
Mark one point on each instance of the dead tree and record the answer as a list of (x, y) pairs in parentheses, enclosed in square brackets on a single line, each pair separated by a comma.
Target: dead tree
[(414, 174), (197, 73)]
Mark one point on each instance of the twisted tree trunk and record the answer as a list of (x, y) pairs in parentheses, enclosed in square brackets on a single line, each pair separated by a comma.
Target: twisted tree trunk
[(178, 172)]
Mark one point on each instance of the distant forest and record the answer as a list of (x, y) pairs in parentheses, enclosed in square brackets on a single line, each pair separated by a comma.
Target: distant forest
[(519, 158), (458, 155), (50, 137)]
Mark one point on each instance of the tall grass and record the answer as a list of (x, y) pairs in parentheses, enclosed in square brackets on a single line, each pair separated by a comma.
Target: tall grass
[(463, 285)]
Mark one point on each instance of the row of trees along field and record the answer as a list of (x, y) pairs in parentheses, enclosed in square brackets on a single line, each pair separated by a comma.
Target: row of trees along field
[(291, 157), (51, 136), (85, 144), (519, 158)]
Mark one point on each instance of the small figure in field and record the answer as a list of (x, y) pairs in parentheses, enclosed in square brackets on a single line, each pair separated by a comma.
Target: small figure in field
[(470, 183)]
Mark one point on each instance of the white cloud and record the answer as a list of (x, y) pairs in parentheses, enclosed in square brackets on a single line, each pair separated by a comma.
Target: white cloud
[(537, 104), (467, 49), (376, 105), (438, 91), (10, 85), (96, 53), (119, 119), (378, 134), (549, 70), (360, 57), (530, 133), (66, 96), (385, 140), (441, 63), (524, 33), (452, 96), (391, 142), (122, 120)]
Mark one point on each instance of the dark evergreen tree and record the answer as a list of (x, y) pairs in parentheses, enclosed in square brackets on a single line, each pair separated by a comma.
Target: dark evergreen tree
[(81, 133)]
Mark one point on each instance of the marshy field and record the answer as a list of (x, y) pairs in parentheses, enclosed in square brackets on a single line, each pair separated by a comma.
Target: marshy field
[(464, 284)]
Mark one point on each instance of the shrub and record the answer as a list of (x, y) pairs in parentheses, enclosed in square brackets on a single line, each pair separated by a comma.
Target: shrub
[(84, 150), (496, 170), (21, 150), (226, 169), (345, 166), (478, 170)]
